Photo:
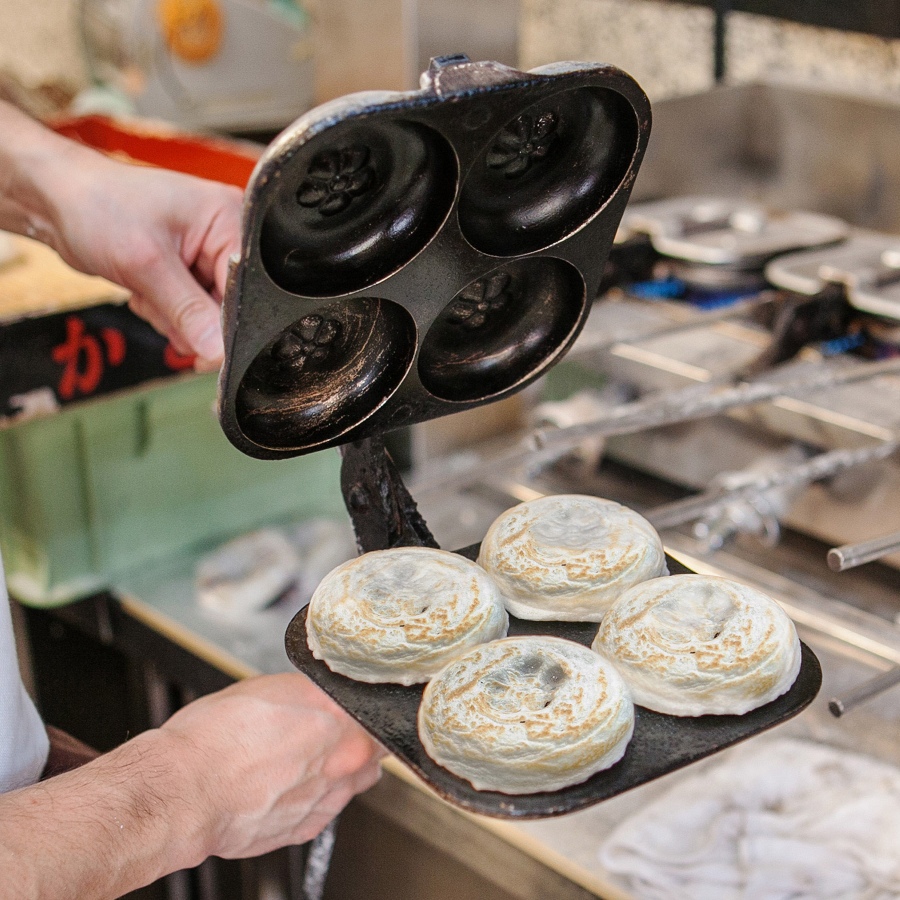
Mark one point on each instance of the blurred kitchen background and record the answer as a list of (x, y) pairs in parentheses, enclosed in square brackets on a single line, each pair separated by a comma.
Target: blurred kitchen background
[(670, 48)]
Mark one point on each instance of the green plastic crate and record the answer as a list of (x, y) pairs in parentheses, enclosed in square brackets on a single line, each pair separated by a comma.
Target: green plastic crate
[(108, 486)]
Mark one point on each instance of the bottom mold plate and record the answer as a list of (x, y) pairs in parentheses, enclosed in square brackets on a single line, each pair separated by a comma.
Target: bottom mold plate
[(661, 743)]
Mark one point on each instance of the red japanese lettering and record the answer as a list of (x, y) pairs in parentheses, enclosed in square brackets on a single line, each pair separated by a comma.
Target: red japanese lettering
[(82, 356), (115, 345), (176, 361)]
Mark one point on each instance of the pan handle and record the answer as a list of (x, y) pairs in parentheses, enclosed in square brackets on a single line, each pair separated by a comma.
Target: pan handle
[(318, 861)]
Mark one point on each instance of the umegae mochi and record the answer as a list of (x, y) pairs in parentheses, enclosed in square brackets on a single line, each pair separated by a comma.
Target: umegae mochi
[(400, 615), (526, 714), (692, 645), (567, 557)]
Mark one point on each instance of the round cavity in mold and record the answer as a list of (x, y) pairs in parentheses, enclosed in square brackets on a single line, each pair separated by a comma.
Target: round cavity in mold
[(325, 373), (355, 204), (548, 171), (501, 329)]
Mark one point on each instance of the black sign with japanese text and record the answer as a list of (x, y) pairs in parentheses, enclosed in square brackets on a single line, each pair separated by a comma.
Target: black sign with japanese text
[(49, 361)]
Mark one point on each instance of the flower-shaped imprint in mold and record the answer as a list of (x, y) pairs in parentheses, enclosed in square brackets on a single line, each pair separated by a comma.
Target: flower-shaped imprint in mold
[(475, 304), (524, 141), (309, 340), (334, 178)]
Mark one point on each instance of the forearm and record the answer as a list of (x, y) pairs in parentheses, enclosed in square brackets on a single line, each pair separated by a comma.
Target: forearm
[(37, 170), (116, 824)]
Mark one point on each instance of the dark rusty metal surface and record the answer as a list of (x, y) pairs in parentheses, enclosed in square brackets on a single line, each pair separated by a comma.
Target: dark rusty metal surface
[(409, 255), (382, 510), (661, 743)]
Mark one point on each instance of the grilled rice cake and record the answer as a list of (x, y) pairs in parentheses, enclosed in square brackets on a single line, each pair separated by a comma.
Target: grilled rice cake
[(568, 557), (691, 645), (400, 615), (526, 714)]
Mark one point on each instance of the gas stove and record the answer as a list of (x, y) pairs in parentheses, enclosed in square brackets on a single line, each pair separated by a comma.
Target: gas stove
[(731, 289), (737, 379)]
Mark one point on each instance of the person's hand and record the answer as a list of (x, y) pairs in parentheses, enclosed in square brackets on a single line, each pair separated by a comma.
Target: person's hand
[(265, 763), (164, 236), (270, 761)]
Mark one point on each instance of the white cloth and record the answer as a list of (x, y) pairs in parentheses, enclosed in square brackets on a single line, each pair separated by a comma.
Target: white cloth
[(777, 819), (23, 738)]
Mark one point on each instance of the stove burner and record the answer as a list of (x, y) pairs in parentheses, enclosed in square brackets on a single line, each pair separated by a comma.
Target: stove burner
[(717, 231)]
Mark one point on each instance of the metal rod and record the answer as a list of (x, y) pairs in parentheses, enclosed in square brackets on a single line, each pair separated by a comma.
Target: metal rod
[(866, 691), (535, 447), (591, 343), (822, 466), (710, 399), (318, 861), (720, 65), (696, 401), (851, 555)]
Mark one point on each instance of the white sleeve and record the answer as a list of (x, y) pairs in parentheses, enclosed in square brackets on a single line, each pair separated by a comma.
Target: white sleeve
[(23, 738)]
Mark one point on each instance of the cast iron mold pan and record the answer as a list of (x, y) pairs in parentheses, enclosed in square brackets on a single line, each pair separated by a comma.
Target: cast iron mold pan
[(408, 255)]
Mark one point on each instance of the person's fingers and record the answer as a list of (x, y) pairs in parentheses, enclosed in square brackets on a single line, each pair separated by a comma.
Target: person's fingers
[(333, 802), (326, 807), (202, 365), (164, 284), (291, 761), (356, 752), (207, 252), (299, 813), (149, 313), (140, 307), (367, 777), (228, 225), (196, 318)]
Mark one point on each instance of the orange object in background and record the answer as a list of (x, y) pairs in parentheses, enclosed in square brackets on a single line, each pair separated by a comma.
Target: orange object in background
[(193, 29), (156, 144)]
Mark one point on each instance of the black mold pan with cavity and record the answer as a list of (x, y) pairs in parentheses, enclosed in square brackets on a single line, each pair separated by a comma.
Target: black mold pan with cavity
[(409, 255)]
